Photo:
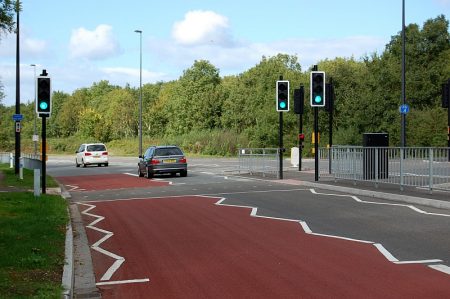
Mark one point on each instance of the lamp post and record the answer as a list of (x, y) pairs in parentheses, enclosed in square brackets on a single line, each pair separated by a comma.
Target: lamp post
[(35, 136), (403, 115), (140, 91)]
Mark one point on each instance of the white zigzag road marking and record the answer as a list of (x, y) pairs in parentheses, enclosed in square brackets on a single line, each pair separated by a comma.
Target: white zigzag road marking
[(96, 246), (381, 249), (381, 203)]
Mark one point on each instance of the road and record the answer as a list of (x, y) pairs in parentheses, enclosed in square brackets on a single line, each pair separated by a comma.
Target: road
[(217, 235)]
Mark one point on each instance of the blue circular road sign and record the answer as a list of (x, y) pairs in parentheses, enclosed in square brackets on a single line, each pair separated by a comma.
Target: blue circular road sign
[(403, 109)]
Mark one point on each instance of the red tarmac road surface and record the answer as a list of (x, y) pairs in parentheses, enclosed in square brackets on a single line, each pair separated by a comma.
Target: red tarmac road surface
[(189, 247), (106, 182)]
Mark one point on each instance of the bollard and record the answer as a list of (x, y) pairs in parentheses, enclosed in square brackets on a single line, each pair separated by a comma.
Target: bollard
[(11, 160), (21, 168), (37, 182)]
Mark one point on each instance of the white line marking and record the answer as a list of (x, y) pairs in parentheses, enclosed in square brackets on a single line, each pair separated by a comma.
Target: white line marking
[(96, 246), (304, 225), (419, 262), (310, 232), (123, 281), (73, 187), (443, 268), (386, 253), (132, 174), (307, 230), (381, 203), (162, 180)]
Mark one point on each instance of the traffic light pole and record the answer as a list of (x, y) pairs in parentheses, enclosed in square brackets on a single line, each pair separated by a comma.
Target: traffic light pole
[(280, 142), (280, 133), (448, 129), (316, 144), (300, 142), (316, 137), (44, 152)]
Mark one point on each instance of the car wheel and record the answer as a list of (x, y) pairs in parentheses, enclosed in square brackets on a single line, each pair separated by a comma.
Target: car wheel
[(183, 173), (140, 174), (76, 163), (82, 163), (106, 164), (149, 174)]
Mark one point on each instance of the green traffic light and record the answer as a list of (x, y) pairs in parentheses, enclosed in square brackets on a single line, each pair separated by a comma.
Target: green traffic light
[(43, 105), (318, 99), (282, 105)]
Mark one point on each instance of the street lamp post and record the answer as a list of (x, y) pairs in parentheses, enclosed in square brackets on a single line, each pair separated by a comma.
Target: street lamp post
[(35, 133), (403, 115), (140, 92)]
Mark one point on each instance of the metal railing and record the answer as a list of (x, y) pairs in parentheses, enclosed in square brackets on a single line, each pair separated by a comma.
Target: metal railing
[(423, 167), (261, 161), (28, 161)]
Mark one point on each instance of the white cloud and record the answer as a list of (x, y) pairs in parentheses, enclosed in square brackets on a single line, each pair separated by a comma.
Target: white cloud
[(202, 27), (121, 75), (243, 55), (93, 45), (443, 3), (29, 47)]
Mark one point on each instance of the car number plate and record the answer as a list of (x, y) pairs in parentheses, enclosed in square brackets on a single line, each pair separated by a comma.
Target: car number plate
[(170, 161)]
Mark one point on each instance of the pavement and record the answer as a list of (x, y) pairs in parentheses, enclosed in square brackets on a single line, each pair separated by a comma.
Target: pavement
[(83, 280)]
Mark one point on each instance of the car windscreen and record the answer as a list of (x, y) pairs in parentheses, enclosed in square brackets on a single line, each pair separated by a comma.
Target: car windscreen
[(169, 151), (96, 148)]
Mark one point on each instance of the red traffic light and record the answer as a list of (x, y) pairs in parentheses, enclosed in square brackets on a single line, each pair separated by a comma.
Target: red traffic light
[(301, 137)]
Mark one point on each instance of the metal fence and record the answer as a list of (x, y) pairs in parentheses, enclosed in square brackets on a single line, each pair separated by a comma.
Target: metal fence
[(410, 166), (29, 161), (422, 167), (260, 161)]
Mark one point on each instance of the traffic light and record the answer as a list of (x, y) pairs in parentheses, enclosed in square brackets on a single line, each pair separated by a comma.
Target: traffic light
[(43, 103), (301, 137), (299, 95), (446, 94), (329, 95), (282, 96), (317, 86)]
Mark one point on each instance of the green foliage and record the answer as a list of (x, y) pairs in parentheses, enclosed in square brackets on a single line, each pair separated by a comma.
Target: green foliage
[(8, 10), (205, 113)]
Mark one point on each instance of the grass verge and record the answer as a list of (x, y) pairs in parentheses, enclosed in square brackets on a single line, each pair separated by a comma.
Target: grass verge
[(10, 178), (32, 240)]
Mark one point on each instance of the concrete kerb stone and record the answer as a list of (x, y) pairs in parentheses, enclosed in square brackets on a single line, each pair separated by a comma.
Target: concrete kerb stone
[(382, 195), (68, 270), (67, 278)]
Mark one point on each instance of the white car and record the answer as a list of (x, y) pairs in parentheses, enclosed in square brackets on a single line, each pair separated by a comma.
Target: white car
[(91, 153)]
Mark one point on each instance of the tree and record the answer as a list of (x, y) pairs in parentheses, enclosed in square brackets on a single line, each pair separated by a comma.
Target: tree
[(7, 10), (2, 94)]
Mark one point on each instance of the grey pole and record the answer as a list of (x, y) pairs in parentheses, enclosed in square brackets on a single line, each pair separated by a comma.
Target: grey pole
[(403, 115), (140, 91), (35, 133)]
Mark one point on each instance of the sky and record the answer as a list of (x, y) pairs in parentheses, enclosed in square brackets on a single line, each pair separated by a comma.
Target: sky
[(86, 41)]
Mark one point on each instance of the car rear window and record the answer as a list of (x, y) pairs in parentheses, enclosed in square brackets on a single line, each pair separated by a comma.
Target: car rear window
[(170, 151), (96, 148)]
